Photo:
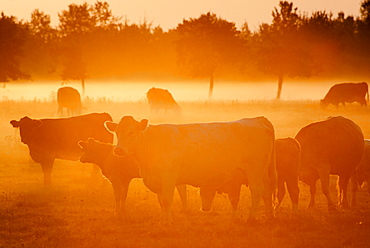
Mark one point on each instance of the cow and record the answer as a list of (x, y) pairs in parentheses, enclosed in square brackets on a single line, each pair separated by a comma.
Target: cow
[(362, 173), (206, 155), (330, 147), (70, 99), (162, 99), (288, 153), (346, 92), (48, 139), (118, 170)]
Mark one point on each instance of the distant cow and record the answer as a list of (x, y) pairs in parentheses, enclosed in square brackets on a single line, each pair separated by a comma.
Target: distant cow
[(48, 139), (288, 153), (202, 155), (161, 99), (346, 92), (362, 173), (119, 170), (333, 146), (70, 99)]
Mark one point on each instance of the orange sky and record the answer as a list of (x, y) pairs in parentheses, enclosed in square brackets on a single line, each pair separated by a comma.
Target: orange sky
[(168, 14)]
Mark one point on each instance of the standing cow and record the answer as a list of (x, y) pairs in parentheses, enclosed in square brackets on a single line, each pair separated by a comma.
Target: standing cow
[(202, 155), (334, 146), (70, 99), (48, 139), (161, 99), (362, 173), (288, 153), (346, 92), (119, 170)]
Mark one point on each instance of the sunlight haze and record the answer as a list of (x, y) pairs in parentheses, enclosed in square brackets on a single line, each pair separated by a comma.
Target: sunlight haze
[(168, 14)]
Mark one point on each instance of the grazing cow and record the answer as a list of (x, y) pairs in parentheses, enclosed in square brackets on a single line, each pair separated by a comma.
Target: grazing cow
[(161, 99), (206, 155), (48, 139), (362, 173), (333, 146), (288, 153), (346, 92), (119, 170), (70, 99)]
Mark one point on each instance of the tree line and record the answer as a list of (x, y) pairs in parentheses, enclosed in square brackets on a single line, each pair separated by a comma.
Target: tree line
[(91, 43)]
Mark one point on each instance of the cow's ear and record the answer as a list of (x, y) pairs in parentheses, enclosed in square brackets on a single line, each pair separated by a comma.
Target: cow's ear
[(110, 126), (14, 123), (82, 143), (143, 124)]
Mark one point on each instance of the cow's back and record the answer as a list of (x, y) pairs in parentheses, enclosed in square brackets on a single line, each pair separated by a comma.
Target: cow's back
[(211, 153), (60, 137), (337, 141)]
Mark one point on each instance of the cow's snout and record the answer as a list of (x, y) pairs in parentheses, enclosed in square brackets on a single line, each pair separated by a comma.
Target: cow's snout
[(119, 151)]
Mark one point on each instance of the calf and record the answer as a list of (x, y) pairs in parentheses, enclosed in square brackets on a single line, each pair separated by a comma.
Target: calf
[(118, 170)]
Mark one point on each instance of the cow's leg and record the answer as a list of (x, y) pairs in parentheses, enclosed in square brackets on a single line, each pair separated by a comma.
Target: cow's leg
[(47, 167), (120, 195), (312, 194), (165, 198), (256, 188), (207, 195), (325, 184), (267, 196), (342, 188), (354, 188), (281, 190), (181, 189), (293, 189), (234, 196)]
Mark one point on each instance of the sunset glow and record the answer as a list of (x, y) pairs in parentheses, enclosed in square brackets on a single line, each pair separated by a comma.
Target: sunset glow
[(168, 14), (184, 123)]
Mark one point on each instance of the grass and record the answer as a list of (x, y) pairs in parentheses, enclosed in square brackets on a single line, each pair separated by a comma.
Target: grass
[(78, 209)]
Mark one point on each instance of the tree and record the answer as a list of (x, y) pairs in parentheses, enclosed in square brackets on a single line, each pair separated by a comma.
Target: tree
[(281, 51), (206, 43), (12, 38)]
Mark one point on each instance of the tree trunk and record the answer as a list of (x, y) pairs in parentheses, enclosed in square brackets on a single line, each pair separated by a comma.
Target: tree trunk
[(83, 86), (211, 83), (280, 86)]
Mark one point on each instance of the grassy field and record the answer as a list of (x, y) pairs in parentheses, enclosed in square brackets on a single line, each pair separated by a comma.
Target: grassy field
[(78, 209)]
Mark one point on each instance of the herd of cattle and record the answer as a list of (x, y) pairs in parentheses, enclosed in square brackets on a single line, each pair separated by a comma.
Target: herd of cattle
[(216, 157)]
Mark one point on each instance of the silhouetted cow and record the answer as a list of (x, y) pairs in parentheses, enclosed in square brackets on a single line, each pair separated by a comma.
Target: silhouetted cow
[(333, 146), (161, 99), (346, 92), (119, 170), (48, 139), (362, 173), (70, 99), (288, 153)]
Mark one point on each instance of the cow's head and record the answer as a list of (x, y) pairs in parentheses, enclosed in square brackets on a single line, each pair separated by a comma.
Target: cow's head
[(27, 127), (91, 151), (128, 132)]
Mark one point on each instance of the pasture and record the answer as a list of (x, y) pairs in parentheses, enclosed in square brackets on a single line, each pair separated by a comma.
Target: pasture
[(78, 209)]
